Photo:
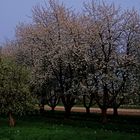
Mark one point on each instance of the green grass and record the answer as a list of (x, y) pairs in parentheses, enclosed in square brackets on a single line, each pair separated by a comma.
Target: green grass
[(78, 127)]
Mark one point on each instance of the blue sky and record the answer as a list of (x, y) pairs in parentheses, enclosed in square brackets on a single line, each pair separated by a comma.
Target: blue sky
[(14, 11)]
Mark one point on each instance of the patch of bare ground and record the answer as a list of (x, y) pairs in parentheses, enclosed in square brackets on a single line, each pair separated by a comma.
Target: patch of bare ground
[(133, 112)]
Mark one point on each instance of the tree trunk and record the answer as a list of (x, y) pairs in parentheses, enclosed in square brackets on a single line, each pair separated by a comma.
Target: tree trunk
[(11, 120), (104, 115), (67, 111), (115, 111), (52, 108), (42, 110), (88, 110)]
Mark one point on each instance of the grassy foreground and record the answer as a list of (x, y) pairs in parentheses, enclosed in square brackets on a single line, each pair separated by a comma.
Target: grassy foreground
[(43, 128)]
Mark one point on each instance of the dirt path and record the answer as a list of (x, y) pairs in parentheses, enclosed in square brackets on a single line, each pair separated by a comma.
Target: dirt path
[(135, 112)]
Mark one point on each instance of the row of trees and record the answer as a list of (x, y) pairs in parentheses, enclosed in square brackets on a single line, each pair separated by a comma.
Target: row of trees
[(93, 55)]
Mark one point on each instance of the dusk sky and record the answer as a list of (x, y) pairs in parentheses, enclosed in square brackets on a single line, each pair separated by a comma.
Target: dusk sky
[(14, 11)]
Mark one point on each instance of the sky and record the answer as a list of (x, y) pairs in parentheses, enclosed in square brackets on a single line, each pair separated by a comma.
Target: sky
[(13, 12)]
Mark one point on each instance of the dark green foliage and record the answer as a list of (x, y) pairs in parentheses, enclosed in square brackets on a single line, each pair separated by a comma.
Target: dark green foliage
[(14, 88)]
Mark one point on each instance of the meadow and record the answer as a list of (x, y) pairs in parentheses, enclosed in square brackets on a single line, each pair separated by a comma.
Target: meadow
[(53, 126)]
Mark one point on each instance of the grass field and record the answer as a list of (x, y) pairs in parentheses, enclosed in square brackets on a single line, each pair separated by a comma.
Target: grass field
[(76, 128)]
